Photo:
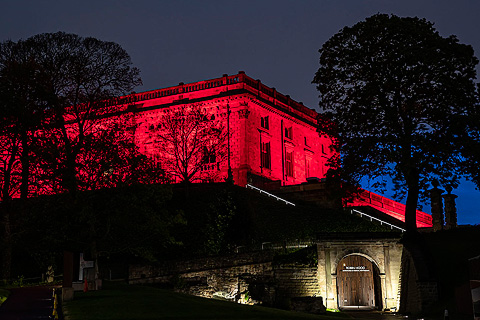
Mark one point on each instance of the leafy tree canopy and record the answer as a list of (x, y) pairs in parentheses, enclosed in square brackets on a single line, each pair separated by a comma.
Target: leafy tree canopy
[(397, 96)]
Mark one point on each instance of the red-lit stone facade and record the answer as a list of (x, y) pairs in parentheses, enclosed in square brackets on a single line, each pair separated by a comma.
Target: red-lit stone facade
[(271, 136)]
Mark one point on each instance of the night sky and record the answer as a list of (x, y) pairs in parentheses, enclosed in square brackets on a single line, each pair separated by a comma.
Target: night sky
[(274, 41)]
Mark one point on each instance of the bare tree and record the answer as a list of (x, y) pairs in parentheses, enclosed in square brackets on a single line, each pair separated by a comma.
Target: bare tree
[(191, 143)]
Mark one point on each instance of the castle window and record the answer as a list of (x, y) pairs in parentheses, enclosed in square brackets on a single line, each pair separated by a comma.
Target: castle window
[(264, 122), (265, 157), (209, 155), (289, 133), (209, 160), (307, 167), (289, 163)]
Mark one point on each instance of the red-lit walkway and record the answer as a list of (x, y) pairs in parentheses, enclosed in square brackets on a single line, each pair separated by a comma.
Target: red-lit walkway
[(390, 207)]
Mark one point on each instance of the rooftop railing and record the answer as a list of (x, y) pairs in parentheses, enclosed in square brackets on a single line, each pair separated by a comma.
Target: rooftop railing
[(254, 86)]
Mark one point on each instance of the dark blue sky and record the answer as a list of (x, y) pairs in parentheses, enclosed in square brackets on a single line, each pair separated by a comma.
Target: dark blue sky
[(274, 41)]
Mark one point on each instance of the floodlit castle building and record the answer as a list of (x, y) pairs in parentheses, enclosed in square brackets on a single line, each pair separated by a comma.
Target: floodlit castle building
[(272, 138), (271, 135)]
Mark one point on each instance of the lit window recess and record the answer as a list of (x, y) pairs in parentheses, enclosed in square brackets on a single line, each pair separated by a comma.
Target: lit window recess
[(209, 160), (307, 167), (265, 155), (289, 164), (289, 133), (264, 122)]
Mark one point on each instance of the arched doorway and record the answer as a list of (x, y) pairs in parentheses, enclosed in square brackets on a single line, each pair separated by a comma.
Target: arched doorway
[(356, 283)]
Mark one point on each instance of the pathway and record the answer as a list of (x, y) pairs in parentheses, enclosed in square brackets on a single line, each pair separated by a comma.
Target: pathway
[(28, 303)]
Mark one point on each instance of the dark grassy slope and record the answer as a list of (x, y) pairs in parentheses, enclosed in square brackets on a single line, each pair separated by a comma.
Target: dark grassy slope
[(120, 301), (258, 218), (227, 216)]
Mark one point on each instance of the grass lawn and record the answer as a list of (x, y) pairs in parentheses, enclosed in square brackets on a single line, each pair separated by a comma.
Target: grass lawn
[(122, 301), (3, 295)]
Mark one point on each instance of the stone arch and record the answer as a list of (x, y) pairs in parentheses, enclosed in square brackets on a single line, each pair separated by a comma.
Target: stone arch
[(358, 251), (368, 283)]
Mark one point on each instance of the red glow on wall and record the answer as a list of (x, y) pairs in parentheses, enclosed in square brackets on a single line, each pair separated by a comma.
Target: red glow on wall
[(390, 207), (271, 136)]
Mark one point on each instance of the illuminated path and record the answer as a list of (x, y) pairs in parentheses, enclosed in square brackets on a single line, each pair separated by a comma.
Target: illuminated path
[(28, 303)]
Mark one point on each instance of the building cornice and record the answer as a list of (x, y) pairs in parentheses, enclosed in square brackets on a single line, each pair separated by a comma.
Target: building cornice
[(219, 87)]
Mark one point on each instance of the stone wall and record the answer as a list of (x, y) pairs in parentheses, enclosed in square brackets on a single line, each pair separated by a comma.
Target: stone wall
[(419, 288), (248, 101), (255, 277), (249, 278), (295, 281), (148, 273)]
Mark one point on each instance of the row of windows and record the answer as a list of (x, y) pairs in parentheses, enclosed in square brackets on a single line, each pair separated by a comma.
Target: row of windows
[(288, 131), (265, 160), (265, 151)]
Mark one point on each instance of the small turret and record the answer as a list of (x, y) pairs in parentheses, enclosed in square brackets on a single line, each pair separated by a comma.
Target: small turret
[(450, 209), (437, 206)]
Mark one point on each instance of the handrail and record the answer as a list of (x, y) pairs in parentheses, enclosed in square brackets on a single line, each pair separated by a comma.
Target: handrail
[(269, 194), (373, 218)]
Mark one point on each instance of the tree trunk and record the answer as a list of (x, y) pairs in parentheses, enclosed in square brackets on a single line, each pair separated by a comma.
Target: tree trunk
[(412, 179), (6, 239), (69, 173), (5, 207), (25, 160), (69, 177)]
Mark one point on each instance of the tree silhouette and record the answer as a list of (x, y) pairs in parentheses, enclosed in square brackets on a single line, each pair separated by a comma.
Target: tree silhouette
[(58, 131), (23, 97), (398, 94), (191, 144), (83, 72)]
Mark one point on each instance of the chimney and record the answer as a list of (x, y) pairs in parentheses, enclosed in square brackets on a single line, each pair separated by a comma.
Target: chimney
[(450, 209), (437, 206)]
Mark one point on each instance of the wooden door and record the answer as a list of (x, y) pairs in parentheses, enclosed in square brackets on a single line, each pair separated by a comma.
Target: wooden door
[(355, 282)]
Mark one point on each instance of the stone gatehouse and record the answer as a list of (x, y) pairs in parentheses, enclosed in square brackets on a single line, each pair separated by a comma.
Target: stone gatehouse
[(351, 270), (360, 270)]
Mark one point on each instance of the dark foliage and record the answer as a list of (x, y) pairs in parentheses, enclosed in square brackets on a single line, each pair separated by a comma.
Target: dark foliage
[(52, 136), (307, 257), (399, 96), (149, 223), (128, 223), (221, 217)]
